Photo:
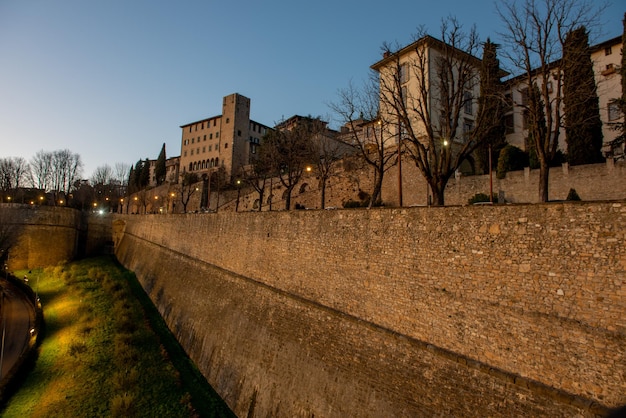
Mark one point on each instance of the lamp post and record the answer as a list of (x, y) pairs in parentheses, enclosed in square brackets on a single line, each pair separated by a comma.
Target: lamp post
[(490, 178), (399, 165), (238, 194), (3, 330)]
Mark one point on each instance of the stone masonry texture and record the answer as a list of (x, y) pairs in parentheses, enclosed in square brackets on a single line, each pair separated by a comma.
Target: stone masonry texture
[(513, 310)]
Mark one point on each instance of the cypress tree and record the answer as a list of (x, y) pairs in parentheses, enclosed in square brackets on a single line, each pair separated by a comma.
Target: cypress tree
[(144, 177), (137, 178), (159, 168), (132, 180), (491, 107), (621, 102), (583, 128)]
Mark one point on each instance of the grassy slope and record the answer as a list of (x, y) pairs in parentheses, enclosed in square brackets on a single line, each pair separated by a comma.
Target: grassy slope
[(107, 352)]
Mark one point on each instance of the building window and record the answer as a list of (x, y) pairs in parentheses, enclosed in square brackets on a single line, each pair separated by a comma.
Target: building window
[(467, 102), (192, 140), (404, 73), (202, 127), (608, 50), (210, 136), (226, 145), (210, 146), (214, 122), (614, 111), (227, 120), (190, 129), (204, 138), (468, 125), (191, 152), (203, 149), (217, 134), (549, 86), (404, 92), (509, 124), (525, 119), (524, 92), (238, 133), (185, 153)]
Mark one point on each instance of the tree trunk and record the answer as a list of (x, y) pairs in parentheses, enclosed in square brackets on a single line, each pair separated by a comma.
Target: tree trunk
[(323, 193), (261, 198), (378, 186), (544, 172), (288, 199), (438, 189)]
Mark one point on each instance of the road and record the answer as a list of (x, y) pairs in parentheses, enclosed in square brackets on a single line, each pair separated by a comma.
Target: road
[(16, 321)]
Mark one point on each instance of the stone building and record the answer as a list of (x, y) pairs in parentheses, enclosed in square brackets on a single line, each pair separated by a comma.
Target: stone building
[(227, 141), (172, 166)]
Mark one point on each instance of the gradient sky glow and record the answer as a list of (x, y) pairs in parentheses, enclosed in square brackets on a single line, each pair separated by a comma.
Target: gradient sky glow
[(112, 80)]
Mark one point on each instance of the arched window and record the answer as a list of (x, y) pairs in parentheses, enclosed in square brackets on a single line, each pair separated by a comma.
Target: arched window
[(217, 161), (212, 162), (190, 165)]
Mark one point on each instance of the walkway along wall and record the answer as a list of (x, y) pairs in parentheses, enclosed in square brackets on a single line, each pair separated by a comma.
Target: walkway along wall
[(456, 311)]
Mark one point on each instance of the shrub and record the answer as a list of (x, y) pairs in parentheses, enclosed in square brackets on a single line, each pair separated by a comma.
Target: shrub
[(511, 159), (481, 197), (572, 195)]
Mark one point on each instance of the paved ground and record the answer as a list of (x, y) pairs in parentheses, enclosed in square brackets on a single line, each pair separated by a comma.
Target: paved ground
[(16, 321)]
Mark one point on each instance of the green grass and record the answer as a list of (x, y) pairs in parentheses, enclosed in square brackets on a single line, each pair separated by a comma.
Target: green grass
[(107, 352)]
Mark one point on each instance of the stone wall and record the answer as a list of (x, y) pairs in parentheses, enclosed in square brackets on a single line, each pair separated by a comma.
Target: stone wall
[(466, 311), (41, 236)]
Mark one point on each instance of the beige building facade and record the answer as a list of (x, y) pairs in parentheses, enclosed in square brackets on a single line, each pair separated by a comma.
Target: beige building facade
[(410, 74), (228, 141), (606, 58)]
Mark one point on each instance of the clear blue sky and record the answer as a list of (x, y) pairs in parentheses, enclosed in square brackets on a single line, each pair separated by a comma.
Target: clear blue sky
[(112, 80)]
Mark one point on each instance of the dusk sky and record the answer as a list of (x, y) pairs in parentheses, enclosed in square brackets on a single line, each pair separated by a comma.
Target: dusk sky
[(112, 80)]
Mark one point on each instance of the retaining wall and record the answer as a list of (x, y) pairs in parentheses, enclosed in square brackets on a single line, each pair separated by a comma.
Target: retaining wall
[(40, 236), (463, 311)]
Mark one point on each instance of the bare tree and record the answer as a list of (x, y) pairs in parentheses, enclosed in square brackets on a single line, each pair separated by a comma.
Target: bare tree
[(535, 35), (289, 148), (325, 151), (102, 175), (41, 170), (13, 173), (365, 129), (427, 94), (259, 172), (187, 187)]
